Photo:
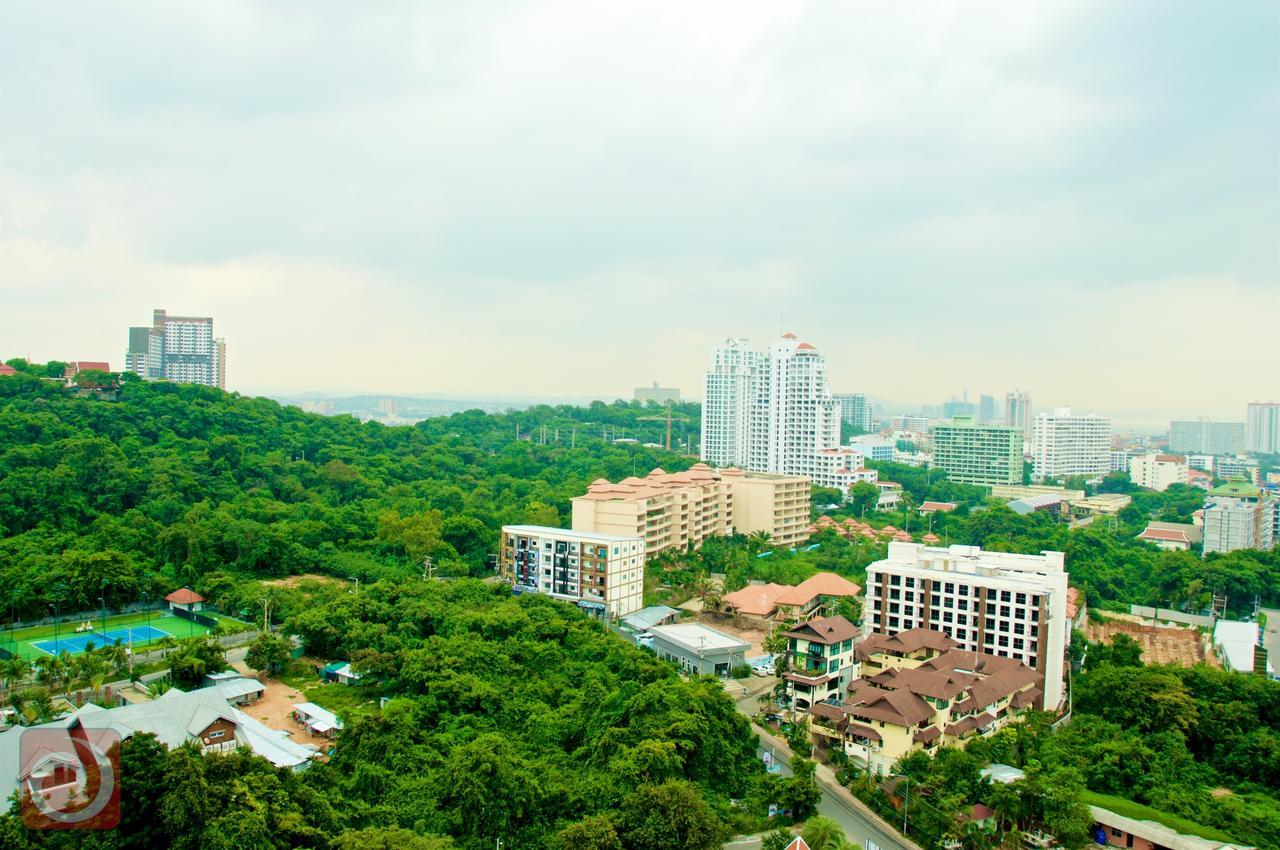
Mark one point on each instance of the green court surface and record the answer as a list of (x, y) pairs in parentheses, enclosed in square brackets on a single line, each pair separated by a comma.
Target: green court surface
[(22, 641)]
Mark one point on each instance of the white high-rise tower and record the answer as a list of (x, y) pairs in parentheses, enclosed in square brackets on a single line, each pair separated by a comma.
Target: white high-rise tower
[(768, 412)]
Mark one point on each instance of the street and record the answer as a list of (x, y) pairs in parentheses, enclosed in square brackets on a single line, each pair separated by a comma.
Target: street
[(837, 803)]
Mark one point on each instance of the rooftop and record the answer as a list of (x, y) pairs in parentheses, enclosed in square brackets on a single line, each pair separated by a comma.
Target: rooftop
[(548, 531), (184, 596), (697, 638)]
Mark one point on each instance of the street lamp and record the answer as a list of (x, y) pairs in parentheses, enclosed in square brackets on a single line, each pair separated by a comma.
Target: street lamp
[(102, 600)]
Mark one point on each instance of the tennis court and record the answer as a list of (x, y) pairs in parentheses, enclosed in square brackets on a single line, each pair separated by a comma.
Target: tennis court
[(78, 641)]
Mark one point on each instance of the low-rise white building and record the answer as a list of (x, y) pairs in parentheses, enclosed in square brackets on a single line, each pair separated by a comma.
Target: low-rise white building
[(697, 649), (1237, 645), (841, 467), (1157, 471), (873, 446)]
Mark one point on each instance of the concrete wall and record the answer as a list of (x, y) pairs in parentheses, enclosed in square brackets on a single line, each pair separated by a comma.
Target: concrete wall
[(1147, 612)]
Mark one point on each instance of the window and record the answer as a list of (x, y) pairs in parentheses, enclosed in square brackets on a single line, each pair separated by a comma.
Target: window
[(1004, 641), (964, 590), (911, 582), (991, 625), (896, 581), (1004, 610), (893, 622), (217, 733), (1017, 643), (1004, 596), (1018, 628), (895, 594), (935, 601), (894, 608), (949, 587), (1021, 599), (1035, 630), (961, 634)]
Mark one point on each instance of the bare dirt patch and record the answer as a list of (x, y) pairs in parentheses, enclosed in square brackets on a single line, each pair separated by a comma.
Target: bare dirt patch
[(1160, 644), (753, 636), (292, 582), (275, 710)]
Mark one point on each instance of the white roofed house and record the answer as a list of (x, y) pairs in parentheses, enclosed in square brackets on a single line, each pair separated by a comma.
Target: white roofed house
[(317, 720), (202, 717), (698, 649)]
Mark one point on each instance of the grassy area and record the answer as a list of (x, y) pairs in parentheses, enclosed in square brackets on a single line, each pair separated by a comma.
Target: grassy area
[(1137, 811), (20, 641)]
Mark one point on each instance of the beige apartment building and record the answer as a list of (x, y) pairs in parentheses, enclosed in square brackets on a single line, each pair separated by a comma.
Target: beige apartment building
[(681, 509)]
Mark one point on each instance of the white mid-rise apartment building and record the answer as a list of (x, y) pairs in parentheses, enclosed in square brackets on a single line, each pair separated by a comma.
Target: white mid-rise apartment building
[(1231, 524), (1004, 604), (1065, 445), (1262, 425), (1157, 471), (599, 572), (1238, 467), (182, 349), (873, 446), (768, 412), (977, 454), (841, 467)]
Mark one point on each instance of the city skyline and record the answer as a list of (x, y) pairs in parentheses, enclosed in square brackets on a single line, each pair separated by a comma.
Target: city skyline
[(854, 178)]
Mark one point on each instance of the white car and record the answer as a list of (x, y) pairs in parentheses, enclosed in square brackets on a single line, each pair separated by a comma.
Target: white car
[(763, 670)]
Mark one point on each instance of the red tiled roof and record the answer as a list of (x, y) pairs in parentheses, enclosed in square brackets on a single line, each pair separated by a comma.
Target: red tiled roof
[(822, 584), (758, 599), (1164, 534), (804, 346), (6, 369), (927, 506), (825, 630), (184, 596)]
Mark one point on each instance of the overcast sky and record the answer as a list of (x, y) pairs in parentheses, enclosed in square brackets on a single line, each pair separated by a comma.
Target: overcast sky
[(1077, 198)]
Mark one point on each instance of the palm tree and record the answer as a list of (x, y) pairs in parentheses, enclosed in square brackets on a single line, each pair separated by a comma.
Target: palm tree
[(14, 671), (822, 833), (1007, 804), (757, 541), (713, 603)]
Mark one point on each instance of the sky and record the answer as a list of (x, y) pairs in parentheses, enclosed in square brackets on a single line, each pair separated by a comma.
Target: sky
[(1080, 199)]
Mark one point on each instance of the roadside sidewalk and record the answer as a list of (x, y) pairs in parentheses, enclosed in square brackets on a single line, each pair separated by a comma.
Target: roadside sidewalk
[(826, 777)]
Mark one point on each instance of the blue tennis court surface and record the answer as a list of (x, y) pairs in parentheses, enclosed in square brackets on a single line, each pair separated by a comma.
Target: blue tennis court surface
[(76, 641)]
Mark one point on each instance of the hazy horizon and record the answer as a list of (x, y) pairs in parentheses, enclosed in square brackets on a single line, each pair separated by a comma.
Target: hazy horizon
[(1078, 199)]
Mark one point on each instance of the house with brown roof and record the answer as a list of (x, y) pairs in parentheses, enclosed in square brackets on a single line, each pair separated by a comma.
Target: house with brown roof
[(819, 663), (917, 691), (1172, 536), (767, 603)]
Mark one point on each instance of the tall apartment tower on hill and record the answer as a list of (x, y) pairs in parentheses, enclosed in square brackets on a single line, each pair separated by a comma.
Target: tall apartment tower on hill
[(1005, 604), (182, 349), (1065, 445), (1263, 427), (768, 412)]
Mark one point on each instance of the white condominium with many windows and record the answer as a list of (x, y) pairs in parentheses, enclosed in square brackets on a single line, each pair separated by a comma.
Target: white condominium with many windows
[(1004, 604), (1066, 445)]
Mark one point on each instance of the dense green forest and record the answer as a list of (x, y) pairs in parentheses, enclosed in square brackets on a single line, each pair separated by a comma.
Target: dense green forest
[(173, 482), (512, 718)]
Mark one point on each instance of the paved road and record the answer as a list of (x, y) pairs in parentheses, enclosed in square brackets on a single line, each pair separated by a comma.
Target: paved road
[(836, 803)]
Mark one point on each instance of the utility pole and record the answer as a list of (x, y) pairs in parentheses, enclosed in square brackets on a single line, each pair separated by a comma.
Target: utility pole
[(265, 602), (906, 805), (428, 568)]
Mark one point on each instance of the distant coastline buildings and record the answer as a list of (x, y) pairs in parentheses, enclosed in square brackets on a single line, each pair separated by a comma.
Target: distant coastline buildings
[(656, 393), (1263, 427), (1205, 437), (182, 349)]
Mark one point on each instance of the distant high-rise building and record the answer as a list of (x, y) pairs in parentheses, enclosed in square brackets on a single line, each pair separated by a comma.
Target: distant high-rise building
[(1066, 445), (1205, 437), (978, 454), (855, 409), (958, 407), (768, 412), (728, 403), (657, 393), (1017, 412), (177, 348), (1239, 515), (915, 424), (986, 410), (1263, 427)]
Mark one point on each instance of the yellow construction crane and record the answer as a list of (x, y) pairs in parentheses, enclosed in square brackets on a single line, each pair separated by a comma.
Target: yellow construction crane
[(666, 419)]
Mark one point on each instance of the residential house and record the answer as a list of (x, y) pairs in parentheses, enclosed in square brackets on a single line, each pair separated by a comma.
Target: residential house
[(1116, 830), (1172, 536), (316, 720), (819, 664), (202, 718), (928, 693), (766, 603), (340, 672)]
